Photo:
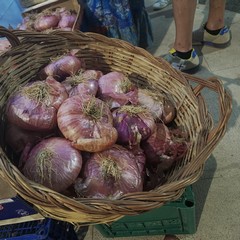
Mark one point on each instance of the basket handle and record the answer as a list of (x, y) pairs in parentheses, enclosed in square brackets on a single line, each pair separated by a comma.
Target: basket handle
[(4, 32), (224, 100)]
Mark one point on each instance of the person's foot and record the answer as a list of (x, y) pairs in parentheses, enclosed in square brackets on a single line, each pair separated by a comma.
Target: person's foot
[(189, 65), (160, 4), (221, 40)]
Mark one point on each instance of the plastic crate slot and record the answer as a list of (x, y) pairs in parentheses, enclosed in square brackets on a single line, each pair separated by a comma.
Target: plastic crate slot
[(171, 222), (153, 224), (189, 203), (176, 217), (135, 225)]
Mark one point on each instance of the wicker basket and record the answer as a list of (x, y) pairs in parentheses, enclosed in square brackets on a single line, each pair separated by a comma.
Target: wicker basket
[(22, 62)]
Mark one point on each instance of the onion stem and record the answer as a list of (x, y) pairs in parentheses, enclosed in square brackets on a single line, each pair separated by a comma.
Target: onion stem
[(126, 85), (92, 109), (77, 78), (38, 92), (110, 169), (132, 110)]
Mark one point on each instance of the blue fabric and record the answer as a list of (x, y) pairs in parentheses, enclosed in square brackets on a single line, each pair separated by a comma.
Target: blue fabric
[(10, 13), (118, 19)]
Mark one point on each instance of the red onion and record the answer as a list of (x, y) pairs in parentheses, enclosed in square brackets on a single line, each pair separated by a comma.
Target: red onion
[(63, 67), (116, 89), (162, 149), (4, 45), (132, 123), (83, 83), (44, 22), (89, 87), (67, 20), (53, 163), (92, 74), (34, 106), (87, 123), (17, 138), (158, 104), (110, 174)]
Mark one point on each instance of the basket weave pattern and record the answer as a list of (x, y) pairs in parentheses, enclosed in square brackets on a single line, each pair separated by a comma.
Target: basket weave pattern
[(21, 64)]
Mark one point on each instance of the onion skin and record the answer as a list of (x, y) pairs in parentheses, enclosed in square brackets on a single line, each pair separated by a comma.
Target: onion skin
[(30, 114), (59, 169), (85, 132), (87, 88), (158, 104), (169, 112), (17, 138), (44, 22), (114, 90), (65, 66), (4, 46), (131, 127), (83, 83), (92, 74), (67, 20), (99, 181), (163, 149)]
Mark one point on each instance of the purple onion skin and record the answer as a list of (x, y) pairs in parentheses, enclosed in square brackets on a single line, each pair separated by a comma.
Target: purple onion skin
[(87, 88), (67, 20), (96, 184), (128, 127), (58, 172), (63, 67), (31, 115)]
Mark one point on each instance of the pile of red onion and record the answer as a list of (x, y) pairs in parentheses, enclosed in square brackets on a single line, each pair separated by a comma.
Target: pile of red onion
[(94, 132), (59, 18)]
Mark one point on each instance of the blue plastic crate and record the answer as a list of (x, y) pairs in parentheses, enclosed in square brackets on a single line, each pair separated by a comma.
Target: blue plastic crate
[(47, 229)]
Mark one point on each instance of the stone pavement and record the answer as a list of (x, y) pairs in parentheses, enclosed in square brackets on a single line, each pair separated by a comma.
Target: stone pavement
[(217, 192)]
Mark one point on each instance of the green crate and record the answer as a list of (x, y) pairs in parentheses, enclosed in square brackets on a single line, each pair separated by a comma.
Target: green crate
[(176, 217)]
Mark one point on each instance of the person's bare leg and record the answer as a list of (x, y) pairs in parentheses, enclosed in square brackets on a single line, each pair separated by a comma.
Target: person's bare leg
[(184, 11), (216, 14)]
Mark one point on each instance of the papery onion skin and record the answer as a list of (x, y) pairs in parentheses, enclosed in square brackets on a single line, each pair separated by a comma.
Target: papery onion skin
[(31, 114), (4, 46), (53, 163), (85, 132), (116, 89), (44, 22), (158, 104), (17, 138), (84, 82), (65, 66), (67, 20), (163, 149), (90, 87), (129, 126), (110, 174)]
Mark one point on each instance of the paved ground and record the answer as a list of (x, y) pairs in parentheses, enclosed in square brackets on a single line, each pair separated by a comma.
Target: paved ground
[(217, 192), (231, 5)]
